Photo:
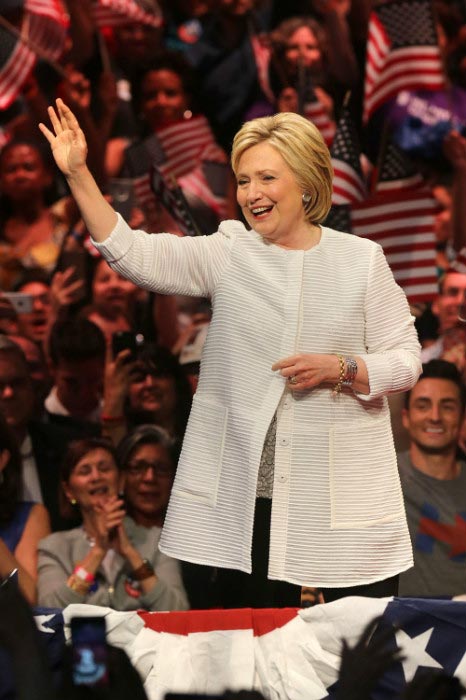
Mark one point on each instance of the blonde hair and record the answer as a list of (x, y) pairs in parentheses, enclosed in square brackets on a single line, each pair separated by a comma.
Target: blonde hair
[(302, 148)]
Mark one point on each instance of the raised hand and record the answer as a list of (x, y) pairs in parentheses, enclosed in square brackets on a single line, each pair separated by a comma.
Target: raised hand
[(67, 140)]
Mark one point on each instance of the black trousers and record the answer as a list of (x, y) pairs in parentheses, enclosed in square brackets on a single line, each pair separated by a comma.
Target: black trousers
[(379, 589), (255, 590), (239, 590)]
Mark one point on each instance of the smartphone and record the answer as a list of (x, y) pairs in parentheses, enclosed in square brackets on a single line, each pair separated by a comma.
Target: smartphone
[(126, 340), (121, 191), (89, 652), (22, 303), (78, 260)]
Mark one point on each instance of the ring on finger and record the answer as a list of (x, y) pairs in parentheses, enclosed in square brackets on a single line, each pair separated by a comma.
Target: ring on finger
[(293, 379)]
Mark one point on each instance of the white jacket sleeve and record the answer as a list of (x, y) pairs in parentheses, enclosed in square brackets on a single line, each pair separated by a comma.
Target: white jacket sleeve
[(166, 263), (393, 350)]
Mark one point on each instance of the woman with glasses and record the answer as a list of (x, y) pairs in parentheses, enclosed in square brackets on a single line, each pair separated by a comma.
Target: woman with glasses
[(110, 560), (148, 458)]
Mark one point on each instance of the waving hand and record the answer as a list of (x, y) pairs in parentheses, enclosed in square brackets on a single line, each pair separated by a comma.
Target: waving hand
[(67, 140)]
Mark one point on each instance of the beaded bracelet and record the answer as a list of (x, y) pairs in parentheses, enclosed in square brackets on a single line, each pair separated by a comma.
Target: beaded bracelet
[(351, 370), (337, 388)]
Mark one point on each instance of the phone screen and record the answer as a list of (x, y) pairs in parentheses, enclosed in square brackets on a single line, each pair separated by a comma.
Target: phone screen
[(22, 303), (89, 651)]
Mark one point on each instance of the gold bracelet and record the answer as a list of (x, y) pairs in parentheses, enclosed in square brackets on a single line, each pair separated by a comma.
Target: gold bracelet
[(337, 388)]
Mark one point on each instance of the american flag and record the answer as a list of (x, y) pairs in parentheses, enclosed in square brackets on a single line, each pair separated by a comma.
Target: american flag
[(182, 151), (114, 13), (348, 180), (397, 170), (399, 216), (402, 222), (315, 111), (248, 649), (43, 29), (173, 200), (402, 52)]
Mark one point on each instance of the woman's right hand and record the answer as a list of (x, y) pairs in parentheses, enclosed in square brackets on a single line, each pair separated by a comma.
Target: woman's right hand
[(107, 517), (67, 140), (117, 379)]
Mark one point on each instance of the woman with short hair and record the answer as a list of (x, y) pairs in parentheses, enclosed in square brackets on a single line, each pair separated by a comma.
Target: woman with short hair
[(288, 467)]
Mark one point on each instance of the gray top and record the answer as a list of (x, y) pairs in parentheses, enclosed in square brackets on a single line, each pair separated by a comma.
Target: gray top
[(436, 511), (60, 552)]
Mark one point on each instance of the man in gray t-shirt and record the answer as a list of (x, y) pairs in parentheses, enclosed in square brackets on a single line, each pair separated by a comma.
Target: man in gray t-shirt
[(434, 483)]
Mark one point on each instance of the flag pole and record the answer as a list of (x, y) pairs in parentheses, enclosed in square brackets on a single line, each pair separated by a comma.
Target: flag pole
[(32, 45), (104, 54), (179, 192), (381, 155)]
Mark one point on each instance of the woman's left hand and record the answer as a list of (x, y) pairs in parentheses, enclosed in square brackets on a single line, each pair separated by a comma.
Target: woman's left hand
[(308, 370), (121, 542)]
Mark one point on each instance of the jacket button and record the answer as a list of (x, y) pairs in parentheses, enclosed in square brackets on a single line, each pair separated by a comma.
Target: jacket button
[(282, 478), (284, 442)]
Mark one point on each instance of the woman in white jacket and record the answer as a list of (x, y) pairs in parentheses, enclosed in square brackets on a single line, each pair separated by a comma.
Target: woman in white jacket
[(309, 334)]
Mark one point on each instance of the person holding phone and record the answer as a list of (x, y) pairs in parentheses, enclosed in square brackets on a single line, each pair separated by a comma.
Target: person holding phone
[(288, 468), (109, 560)]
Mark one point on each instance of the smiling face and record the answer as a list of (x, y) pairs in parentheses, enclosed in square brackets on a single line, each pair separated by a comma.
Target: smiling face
[(302, 47), (23, 174), (163, 100), (450, 301), (433, 417), (149, 479), (154, 393), (93, 480), (270, 197)]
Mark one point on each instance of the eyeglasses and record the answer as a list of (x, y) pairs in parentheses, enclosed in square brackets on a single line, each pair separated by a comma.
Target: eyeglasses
[(140, 467)]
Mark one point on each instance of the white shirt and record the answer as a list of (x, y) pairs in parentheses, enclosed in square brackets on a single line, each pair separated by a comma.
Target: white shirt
[(54, 406)]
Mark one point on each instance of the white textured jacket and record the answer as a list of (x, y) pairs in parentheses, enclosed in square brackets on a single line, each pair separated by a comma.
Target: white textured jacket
[(337, 516)]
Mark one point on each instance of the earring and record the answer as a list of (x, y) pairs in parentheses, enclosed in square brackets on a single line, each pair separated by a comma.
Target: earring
[(306, 198), (73, 501)]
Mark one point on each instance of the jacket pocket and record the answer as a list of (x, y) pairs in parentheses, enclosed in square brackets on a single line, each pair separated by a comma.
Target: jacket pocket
[(201, 458), (365, 486)]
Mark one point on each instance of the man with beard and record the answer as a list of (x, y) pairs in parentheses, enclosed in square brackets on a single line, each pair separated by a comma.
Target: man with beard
[(434, 483)]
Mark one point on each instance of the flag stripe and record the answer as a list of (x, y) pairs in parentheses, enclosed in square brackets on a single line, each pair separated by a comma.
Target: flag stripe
[(403, 224), (401, 54), (114, 13)]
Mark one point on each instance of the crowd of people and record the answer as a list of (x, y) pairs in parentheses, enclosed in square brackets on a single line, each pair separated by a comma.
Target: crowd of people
[(100, 373)]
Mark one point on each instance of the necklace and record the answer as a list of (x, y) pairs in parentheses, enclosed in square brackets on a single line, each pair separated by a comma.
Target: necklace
[(89, 539)]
